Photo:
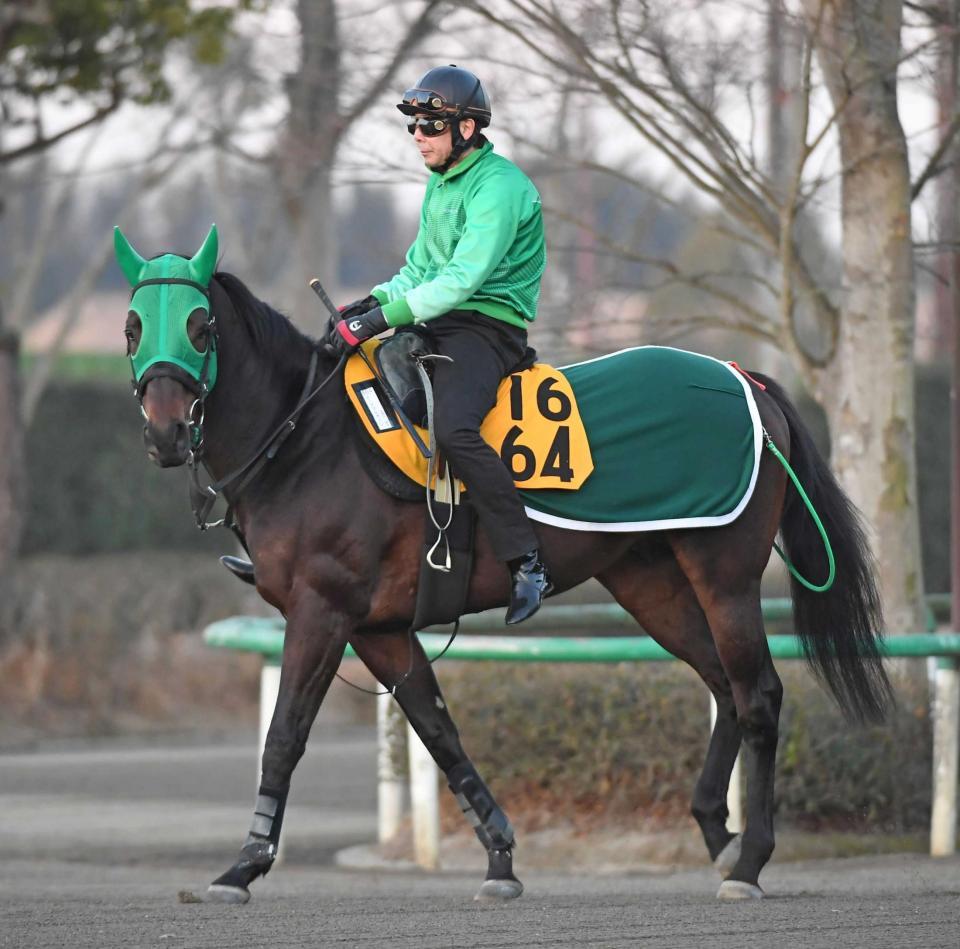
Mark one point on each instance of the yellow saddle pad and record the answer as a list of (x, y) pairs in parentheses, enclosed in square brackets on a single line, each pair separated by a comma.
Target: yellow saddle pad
[(535, 427)]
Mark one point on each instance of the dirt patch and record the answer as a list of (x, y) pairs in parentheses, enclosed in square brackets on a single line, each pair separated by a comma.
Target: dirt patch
[(643, 847)]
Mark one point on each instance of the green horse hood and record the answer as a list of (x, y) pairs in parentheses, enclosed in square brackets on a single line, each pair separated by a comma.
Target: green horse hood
[(166, 291)]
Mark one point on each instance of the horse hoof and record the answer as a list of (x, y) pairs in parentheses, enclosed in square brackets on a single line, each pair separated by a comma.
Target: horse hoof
[(728, 857), (498, 891), (738, 890), (219, 893)]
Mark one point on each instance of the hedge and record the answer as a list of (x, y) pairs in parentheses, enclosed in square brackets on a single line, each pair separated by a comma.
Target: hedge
[(628, 742)]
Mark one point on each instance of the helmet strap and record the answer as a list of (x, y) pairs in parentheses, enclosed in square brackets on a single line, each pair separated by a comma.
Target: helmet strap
[(460, 144)]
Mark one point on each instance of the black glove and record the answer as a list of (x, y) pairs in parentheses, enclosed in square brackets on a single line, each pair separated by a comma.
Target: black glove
[(332, 341), (357, 307), (350, 333)]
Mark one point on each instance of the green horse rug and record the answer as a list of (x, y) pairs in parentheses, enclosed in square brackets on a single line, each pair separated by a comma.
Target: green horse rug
[(648, 438)]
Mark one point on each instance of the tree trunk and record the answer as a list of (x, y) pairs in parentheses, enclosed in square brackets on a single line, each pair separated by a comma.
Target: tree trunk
[(871, 408), (305, 159), (940, 334), (12, 494), (315, 254)]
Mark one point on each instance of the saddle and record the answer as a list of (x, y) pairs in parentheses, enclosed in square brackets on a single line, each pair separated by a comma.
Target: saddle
[(535, 427), (397, 361)]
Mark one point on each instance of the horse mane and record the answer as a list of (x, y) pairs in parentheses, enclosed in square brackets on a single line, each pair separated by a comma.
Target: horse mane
[(270, 330)]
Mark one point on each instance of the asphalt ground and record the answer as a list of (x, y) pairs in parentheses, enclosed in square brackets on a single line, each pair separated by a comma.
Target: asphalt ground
[(100, 840)]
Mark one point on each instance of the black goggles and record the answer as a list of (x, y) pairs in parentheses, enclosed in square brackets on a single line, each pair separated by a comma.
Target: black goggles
[(429, 126), (416, 99)]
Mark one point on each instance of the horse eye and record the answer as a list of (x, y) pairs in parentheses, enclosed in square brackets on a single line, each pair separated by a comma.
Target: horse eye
[(198, 330), (132, 333)]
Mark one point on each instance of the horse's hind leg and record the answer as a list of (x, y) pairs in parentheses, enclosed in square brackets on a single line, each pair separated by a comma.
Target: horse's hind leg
[(660, 598), (731, 603), (388, 656)]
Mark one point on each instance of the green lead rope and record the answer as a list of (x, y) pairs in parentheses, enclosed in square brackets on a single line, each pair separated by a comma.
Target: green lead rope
[(816, 518)]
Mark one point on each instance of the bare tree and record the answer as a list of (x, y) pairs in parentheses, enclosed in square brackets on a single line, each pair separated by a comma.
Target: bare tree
[(872, 414), (327, 94), (678, 79), (93, 60)]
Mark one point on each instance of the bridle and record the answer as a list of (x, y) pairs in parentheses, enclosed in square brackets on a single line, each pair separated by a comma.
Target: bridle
[(204, 496)]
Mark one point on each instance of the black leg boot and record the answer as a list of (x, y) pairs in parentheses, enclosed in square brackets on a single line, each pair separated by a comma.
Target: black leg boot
[(492, 828), (531, 583), (258, 852)]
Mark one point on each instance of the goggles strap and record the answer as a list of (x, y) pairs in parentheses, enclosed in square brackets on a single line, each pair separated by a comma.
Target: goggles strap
[(174, 280)]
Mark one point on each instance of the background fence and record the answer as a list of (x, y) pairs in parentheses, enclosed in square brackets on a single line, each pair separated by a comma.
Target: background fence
[(265, 637)]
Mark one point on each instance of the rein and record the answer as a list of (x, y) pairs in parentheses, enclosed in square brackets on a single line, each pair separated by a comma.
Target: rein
[(203, 497)]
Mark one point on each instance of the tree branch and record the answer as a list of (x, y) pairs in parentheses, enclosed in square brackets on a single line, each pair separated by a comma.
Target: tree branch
[(933, 166), (42, 142), (422, 25)]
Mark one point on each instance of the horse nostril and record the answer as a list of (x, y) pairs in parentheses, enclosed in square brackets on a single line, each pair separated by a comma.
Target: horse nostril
[(182, 437)]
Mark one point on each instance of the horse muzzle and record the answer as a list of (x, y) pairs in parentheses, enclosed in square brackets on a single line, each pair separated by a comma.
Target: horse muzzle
[(166, 402), (169, 446)]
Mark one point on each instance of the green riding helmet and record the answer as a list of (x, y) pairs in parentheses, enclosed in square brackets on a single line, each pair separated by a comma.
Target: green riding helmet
[(166, 291), (448, 92)]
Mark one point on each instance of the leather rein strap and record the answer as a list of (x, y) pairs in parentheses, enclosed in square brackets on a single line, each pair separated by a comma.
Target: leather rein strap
[(203, 497)]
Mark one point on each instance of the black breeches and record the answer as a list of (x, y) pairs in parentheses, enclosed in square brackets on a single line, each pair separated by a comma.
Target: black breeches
[(484, 350)]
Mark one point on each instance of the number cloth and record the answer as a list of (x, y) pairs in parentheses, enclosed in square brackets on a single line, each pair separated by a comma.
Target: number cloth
[(535, 427), (674, 439), (480, 246)]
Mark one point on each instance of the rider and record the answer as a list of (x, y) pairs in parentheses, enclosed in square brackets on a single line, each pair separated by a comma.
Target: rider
[(473, 273)]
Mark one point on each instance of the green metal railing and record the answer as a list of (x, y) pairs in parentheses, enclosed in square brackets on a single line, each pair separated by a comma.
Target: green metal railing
[(265, 636)]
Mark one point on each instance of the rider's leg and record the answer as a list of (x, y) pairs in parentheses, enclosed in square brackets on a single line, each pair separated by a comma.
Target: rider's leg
[(484, 350)]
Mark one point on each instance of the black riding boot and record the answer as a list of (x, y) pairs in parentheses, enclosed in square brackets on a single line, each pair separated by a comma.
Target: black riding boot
[(531, 584), (242, 569)]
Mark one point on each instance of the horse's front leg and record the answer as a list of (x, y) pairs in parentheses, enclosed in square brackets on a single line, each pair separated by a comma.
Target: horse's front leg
[(310, 659), (389, 657)]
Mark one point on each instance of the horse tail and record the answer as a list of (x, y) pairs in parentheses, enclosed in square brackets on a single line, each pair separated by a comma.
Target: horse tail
[(839, 629)]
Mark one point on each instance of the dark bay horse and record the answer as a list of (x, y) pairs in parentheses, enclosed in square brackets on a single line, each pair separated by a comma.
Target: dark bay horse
[(339, 559)]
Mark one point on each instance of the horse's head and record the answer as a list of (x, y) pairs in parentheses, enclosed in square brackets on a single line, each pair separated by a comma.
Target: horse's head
[(171, 342)]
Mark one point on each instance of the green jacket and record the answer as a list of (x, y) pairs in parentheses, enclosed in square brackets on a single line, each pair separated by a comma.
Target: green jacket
[(480, 246)]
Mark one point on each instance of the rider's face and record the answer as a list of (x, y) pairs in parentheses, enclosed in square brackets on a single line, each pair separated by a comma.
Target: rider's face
[(436, 150)]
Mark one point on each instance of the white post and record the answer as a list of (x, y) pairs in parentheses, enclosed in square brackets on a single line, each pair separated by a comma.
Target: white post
[(391, 788), (734, 797), (269, 690), (424, 803), (946, 737)]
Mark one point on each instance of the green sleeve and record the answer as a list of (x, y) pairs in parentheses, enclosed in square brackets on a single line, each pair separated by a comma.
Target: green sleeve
[(394, 290), (493, 215)]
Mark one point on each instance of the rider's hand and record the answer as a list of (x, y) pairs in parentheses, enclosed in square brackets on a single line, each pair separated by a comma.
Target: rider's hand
[(350, 333), (349, 310)]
